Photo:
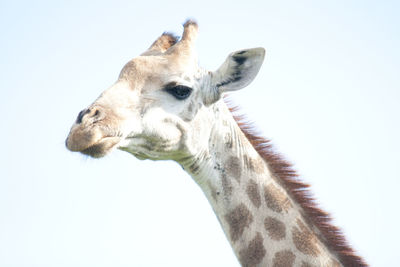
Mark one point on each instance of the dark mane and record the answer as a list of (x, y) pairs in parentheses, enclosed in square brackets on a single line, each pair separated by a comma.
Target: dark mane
[(331, 235)]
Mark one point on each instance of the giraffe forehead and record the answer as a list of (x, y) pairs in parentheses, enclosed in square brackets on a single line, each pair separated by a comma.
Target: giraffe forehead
[(143, 69), (151, 73), (159, 66)]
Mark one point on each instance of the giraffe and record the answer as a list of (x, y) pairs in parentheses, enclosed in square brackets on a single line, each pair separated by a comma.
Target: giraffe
[(163, 106)]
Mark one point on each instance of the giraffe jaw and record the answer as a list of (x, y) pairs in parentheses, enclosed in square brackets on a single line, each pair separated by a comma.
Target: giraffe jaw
[(101, 147), (142, 149)]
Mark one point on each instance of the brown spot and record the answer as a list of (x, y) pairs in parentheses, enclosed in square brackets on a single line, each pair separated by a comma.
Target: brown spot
[(194, 168), (304, 240), (284, 258), (128, 71), (254, 253), (190, 107), (335, 263), (228, 140), (275, 228), (233, 168), (238, 219), (254, 193), (255, 165), (213, 191), (165, 41), (276, 200), (305, 264), (226, 185)]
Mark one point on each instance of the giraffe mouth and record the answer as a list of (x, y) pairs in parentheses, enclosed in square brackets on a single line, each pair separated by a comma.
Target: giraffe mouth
[(95, 142), (101, 147)]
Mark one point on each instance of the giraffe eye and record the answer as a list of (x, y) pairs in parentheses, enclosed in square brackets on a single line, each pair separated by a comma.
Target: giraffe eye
[(180, 92)]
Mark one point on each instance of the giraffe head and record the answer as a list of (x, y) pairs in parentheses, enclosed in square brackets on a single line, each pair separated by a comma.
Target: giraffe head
[(159, 107)]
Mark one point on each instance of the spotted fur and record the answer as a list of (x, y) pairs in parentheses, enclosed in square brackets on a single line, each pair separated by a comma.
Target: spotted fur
[(331, 235), (238, 219), (275, 228), (254, 253), (284, 258)]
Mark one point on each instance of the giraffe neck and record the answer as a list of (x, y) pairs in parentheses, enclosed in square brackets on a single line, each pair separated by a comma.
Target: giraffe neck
[(262, 222)]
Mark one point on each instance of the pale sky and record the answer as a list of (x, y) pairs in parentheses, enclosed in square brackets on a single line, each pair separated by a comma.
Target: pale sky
[(327, 95)]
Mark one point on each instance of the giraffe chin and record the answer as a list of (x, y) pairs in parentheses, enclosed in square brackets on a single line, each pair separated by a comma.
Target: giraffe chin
[(102, 147)]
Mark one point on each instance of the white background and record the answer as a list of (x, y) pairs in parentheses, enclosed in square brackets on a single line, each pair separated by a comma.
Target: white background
[(327, 95)]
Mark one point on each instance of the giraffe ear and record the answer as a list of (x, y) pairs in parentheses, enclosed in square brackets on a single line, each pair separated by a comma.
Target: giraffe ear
[(239, 70)]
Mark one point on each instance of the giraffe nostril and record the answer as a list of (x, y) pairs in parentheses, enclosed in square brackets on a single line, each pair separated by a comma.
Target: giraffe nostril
[(93, 113), (81, 114)]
